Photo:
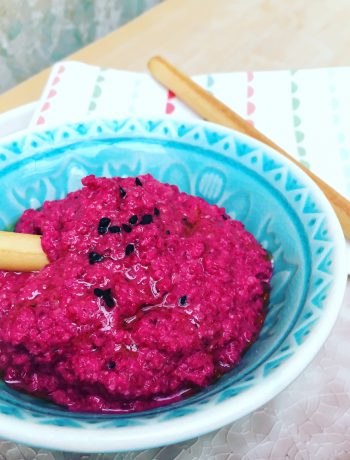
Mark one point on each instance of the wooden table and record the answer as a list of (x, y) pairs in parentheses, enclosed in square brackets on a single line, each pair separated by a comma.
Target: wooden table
[(218, 35)]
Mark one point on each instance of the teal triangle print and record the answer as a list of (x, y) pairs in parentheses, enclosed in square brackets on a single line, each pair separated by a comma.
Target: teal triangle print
[(118, 125), (271, 365), (322, 232), (321, 296), (61, 422), (230, 392), (183, 130), (326, 263), (292, 183), (152, 125), (310, 206), (269, 164), (243, 149), (301, 333), (213, 137)]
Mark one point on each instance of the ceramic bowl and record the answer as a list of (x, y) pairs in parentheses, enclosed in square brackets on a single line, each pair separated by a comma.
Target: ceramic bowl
[(276, 201)]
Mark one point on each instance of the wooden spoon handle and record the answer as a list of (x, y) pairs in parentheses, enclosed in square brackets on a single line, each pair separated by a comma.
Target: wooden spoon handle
[(21, 252), (211, 109)]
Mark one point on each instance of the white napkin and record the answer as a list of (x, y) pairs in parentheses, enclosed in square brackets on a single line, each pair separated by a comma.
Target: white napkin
[(307, 112)]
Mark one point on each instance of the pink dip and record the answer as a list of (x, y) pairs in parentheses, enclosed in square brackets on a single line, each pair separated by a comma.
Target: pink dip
[(150, 295)]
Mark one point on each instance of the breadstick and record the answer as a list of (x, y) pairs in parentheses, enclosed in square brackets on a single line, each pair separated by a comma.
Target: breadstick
[(21, 252), (211, 109)]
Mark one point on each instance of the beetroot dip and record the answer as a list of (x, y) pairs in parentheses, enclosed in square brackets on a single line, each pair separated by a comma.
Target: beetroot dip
[(150, 295)]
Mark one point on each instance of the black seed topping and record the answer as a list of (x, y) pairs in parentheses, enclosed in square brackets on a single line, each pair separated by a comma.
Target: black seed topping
[(183, 300), (103, 225), (156, 211), (104, 222), (95, 257), (167, 232), (133, 220), (146, 219), (99, 292), (126, 228), (106, 296), (111, 364), (129, 249), (122, 192), (138, 182), (109, 301), (224, 217), (114, 229)]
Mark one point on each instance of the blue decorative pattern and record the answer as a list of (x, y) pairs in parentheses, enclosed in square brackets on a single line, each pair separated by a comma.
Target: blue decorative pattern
[(273, 204)]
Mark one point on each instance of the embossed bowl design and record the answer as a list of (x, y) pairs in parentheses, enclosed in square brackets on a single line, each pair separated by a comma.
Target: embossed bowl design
[(276, 201)]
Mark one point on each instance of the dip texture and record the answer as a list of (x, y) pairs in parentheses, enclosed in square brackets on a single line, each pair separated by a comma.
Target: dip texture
[(150, 295)]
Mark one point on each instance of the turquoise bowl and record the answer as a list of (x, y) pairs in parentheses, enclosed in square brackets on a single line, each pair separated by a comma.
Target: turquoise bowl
[(275, 200)]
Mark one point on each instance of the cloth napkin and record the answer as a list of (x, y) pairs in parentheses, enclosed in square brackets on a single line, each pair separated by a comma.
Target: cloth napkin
[(307, 112)]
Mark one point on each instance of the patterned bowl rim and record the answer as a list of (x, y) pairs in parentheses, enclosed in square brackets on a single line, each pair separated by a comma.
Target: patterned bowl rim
[(206, 419)]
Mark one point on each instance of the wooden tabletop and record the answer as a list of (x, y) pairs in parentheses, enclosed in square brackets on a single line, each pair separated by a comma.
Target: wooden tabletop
[(204, 36)]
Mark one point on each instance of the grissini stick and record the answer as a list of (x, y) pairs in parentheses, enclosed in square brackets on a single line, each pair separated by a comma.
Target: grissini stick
[(211, 109), (21, 252)]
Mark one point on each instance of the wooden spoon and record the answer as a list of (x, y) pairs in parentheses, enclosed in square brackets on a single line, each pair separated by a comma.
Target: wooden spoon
[(211, 109)]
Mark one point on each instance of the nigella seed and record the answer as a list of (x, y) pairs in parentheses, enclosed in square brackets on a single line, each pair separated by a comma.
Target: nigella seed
[(138, 182), (133, 220), (105, 294), (156, 211), (99, 292), (122, 192), (126, 228), (111, 365), (129, 249), (104, 222), (183, 300), (95, 257), (167, 232), (146, 219), (109, 301), (114, 229), (103, 225)]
